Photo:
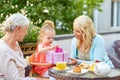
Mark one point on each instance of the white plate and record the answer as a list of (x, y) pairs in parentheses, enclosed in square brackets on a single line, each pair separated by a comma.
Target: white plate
[(82, 71)]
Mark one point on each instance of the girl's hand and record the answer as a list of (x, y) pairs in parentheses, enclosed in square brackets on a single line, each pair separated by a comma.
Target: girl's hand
[(53, 47), (73, 61)]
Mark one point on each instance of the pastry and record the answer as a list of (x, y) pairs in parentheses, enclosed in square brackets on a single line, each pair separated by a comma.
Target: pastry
[(77, 69), (84, 65)]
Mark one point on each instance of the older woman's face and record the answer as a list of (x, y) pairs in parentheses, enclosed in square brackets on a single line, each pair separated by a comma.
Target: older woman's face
[(21, 33), (77, 32)]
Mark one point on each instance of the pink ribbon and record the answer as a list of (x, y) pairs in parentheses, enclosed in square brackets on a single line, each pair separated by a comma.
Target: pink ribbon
[(58, 49), (52, 58)]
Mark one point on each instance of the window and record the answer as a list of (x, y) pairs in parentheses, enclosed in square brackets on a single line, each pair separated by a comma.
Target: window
[(115, 13)]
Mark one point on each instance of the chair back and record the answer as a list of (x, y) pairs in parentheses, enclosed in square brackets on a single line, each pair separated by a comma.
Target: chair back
[(116, 47), (115, 61), (28, 70), (31, 59)]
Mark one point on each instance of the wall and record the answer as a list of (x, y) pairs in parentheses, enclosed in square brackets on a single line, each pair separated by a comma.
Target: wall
[(102, 20), (109, 39), (64, 41)]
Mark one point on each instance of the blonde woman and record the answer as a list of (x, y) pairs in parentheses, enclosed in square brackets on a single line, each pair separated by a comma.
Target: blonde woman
[(87, 46)]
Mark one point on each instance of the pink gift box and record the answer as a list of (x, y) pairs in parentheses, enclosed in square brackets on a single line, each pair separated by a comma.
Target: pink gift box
[(57, 56)]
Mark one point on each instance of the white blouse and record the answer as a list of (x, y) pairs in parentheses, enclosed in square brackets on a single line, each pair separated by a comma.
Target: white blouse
[(12, 63), (83, 56)]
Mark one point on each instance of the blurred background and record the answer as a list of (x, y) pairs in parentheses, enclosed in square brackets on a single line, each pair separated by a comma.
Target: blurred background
[(62, 12), (104, 13)]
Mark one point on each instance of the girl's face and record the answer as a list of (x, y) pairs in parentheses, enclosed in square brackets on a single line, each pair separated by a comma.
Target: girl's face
[(48, 37), (77, 33)]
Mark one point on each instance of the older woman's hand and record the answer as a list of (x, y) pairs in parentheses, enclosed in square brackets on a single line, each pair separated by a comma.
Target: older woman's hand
[(73, 61)]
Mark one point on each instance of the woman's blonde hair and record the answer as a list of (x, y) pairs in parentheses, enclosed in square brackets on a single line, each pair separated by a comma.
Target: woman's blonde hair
[(86, 26), (47, 25)]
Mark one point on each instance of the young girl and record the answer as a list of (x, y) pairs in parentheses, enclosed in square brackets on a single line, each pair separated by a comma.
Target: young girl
[(46, 38)]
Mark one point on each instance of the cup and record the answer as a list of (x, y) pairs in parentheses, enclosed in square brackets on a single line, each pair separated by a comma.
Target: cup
[(102, 68), (91, 68), (61, 65)]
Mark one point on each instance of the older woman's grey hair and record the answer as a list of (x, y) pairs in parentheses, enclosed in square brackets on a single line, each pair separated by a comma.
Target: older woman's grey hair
[(15, 20)]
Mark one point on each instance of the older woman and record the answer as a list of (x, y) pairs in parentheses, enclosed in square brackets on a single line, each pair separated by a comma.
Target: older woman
[(87, 46), (12, 63)]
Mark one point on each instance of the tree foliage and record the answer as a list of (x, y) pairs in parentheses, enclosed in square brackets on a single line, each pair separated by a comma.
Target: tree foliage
[(62, 12)]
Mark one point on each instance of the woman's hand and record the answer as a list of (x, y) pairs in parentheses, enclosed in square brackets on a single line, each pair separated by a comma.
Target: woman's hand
[(73, 61)]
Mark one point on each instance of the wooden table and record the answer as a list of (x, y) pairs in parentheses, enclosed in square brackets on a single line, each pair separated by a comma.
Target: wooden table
[(64, 75)]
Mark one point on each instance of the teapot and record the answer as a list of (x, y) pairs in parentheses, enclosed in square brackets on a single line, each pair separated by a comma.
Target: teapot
[(102, 68)]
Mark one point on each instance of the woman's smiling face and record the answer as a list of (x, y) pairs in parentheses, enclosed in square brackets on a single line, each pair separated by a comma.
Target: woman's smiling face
[(77, 32)]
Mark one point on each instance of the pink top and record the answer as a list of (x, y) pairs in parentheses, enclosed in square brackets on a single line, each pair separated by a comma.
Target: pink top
[(41, 58)]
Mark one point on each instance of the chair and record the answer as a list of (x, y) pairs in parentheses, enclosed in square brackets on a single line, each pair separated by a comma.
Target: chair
[(30, 61), (27, 70), (115, 61), (116, 47), (115, 58)]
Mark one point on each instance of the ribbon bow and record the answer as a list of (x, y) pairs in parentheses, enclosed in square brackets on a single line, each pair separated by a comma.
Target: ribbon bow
[(58, 49)]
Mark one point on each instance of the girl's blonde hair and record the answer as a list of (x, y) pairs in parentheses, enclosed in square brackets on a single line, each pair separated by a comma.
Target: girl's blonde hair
[(47, 25), (86, 26)]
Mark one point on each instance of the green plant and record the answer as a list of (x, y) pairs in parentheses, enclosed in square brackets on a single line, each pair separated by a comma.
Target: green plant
[(62, 12), (1, 33), (31, 36)]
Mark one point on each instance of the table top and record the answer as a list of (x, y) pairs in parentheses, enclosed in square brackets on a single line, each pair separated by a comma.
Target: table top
[(65, 75)]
